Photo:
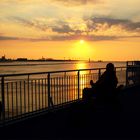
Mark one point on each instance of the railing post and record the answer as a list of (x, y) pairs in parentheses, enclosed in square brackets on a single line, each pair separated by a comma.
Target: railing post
[(3, 100), (99, 74), (28, 81), (49, 91), (78, 84), (127, 83), (28, 92), (65, 86)]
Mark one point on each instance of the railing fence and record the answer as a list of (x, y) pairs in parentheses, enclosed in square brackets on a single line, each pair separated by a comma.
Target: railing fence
[(23, 95)]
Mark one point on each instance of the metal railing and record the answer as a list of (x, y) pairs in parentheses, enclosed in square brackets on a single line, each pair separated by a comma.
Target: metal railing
[(25, 95), (133, 72)]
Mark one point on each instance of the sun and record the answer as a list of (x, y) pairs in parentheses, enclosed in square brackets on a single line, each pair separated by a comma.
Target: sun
[(82, 41), (81, 49)]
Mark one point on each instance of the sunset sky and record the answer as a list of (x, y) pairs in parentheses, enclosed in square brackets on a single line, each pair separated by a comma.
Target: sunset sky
[(70, 29)]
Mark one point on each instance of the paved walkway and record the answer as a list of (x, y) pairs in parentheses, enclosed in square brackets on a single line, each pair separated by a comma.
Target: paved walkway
[(83, 121)]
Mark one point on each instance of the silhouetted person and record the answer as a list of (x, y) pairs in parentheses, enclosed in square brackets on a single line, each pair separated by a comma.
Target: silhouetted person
[(104, 88), (108, 80)]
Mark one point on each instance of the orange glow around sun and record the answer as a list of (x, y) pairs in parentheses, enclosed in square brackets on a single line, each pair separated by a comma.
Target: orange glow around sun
[(82, 41), (81, 49)]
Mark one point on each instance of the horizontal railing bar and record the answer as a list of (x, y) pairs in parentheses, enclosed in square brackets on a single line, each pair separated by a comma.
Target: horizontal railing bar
[(36, 73)]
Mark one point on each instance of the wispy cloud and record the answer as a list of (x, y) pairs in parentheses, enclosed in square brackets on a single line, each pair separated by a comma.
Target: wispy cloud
[(8, 38), (52, 18), (65, 2), (62, 29), (78, 37), (77, 2), (97, 29), (96, 24), (101, 26), (69, 37), (36, 24), (57, 26)]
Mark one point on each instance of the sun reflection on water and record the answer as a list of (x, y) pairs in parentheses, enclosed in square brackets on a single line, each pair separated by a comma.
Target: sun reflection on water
[(80, 66), (84, 80)]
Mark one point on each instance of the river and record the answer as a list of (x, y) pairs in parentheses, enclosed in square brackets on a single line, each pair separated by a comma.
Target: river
[(29, 67)]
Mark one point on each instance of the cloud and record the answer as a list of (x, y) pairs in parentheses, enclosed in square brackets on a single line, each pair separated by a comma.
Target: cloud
[(62, 29), (77, 2), (94, 29), (97, 23), (73, 37), (8, 38), (85, 37), (64, 2), (100, 27), (35, 23), (68, 37), (62, 38)]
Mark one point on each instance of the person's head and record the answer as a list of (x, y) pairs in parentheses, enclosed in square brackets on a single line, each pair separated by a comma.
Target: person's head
[(110, 67)]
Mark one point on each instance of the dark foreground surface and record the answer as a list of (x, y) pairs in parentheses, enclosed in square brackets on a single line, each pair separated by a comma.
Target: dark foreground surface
[(83, 121)]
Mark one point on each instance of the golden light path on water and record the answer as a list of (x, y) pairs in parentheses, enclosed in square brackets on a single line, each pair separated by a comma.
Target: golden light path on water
[(80, 66)]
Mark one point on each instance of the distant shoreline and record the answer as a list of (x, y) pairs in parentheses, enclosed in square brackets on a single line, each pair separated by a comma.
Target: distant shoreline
[(58, 60), (54, 62)]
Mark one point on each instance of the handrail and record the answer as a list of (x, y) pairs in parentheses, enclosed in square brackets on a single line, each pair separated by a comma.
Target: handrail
[(21, 98)]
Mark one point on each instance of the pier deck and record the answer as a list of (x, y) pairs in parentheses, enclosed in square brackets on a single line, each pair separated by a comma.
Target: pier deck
[(82, 121)]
